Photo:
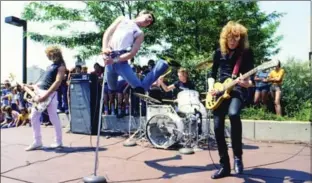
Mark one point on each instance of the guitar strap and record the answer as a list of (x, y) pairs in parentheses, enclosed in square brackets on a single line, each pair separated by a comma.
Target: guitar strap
[(237, 66)]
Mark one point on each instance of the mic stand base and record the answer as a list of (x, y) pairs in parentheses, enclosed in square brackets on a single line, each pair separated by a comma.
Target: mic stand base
[(94, 179)]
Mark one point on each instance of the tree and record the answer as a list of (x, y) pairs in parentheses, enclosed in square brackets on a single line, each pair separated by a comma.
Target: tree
[(192, 28)]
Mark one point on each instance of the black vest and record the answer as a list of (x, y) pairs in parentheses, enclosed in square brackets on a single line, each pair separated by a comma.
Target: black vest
[(49, 76)]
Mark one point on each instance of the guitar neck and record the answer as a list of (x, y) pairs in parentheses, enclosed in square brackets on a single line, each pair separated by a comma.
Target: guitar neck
[(29, 91), (244, 76)]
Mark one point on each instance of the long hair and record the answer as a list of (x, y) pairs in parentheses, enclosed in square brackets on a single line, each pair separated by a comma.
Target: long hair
[(233, 29), (54, 54)]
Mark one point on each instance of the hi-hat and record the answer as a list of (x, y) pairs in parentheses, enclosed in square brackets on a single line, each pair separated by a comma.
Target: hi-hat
[(147, 98), (204, 65)]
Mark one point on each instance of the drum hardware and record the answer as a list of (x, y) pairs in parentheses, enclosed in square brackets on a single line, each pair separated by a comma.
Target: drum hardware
[(168, 100), (147, 98), (204, 65), (130, 141), (173, 63)]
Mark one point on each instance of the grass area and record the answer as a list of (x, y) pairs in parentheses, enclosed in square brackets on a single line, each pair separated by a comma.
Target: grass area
[(263, 114)]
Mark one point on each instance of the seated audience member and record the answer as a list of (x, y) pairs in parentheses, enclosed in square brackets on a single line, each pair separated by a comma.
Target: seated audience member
[(23, 118), (2, 114), (10, 118)]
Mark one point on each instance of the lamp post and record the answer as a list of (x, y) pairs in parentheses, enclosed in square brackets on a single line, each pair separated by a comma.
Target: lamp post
[(310, 58), (20, 22)]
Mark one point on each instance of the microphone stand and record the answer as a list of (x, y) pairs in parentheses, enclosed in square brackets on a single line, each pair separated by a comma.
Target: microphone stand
[(95, 178)]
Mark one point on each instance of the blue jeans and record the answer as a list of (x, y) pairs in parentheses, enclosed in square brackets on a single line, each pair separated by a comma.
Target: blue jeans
[(62, 97), (125, 71), (232, 107)]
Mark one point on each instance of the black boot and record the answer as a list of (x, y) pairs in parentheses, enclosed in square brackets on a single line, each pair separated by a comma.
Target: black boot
[(225, 169), (238, 165)]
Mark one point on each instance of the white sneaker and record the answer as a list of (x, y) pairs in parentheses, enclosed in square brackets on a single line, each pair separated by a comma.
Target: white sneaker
[(56, 145), (34, 146)]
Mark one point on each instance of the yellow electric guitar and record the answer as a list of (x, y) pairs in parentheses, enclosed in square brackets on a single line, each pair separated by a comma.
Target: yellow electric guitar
[(224, 89)]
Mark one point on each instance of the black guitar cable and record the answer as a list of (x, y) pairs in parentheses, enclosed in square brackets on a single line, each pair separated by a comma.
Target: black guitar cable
[(261, 165)]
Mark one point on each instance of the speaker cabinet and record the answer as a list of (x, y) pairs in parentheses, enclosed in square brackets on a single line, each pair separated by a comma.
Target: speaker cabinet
[(85, 95)]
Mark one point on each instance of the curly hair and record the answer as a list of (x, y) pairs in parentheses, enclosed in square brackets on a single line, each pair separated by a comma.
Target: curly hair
[(54, 54), (233, 29)]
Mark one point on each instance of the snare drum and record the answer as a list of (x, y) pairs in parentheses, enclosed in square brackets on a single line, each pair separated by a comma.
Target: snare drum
[(188, 100)]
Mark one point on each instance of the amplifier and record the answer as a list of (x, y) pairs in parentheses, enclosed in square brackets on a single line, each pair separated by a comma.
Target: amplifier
[(85, 95)]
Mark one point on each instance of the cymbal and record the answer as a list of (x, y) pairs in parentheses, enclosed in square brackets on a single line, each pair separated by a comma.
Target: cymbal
[(147, 98), (172, 62), (204, 65)]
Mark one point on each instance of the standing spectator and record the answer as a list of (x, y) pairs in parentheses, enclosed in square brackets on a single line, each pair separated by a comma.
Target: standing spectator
[(15, 100), (62, 95), (5, 94), (276, 77), (84, 70), (98, 70), (262, 87)]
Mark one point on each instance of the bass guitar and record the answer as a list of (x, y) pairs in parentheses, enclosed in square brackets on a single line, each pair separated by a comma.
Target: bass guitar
[(36, 92)]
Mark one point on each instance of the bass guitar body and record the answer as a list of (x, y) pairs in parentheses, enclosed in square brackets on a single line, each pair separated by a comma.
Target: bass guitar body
[(213, 102)]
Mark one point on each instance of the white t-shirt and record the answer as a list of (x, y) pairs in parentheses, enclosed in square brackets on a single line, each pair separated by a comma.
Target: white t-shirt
[(124, 35)]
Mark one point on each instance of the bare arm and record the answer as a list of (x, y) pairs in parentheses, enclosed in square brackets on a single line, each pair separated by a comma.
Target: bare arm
[(109, 31), (167, 88), (135, 48), (57, 82)]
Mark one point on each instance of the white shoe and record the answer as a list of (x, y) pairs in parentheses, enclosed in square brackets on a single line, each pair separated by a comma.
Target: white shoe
[(56, 145), (34, 146)]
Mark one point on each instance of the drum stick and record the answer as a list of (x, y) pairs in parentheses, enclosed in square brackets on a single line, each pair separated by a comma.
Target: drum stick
[(168, 100)]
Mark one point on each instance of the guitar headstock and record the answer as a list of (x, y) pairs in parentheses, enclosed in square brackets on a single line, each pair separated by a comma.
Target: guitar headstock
[(267, 65)]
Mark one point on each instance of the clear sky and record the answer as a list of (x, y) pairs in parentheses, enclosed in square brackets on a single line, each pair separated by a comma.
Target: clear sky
[(295, 27)]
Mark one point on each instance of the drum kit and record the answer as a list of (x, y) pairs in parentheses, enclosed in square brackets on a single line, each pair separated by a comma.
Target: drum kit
[(185, 121)]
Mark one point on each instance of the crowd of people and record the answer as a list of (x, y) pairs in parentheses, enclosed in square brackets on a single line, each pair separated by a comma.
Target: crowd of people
[(15, 108)]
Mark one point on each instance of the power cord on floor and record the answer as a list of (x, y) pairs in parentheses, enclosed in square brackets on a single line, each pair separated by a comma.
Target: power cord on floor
[(261, 165)]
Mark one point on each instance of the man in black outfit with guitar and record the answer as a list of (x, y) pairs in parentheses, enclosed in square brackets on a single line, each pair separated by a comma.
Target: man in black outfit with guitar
[(232, 58)]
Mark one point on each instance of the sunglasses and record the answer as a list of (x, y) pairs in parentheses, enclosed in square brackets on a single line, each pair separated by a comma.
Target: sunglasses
[(233, 37)]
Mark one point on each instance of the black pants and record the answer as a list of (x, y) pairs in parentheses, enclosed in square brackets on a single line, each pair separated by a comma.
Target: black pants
[(232, 107)]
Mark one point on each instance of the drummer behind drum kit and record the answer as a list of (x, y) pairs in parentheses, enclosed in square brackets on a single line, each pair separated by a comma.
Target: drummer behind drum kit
[(181, 122)]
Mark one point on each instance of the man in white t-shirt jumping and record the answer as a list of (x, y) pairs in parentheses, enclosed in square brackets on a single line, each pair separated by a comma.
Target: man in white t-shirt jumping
[(121, 35)]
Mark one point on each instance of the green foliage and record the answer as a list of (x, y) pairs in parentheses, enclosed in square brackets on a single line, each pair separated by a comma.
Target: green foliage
[(296, 95), (191, 27)]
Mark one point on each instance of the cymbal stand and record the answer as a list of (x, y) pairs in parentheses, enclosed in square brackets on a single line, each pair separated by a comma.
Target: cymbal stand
[(140, 129), (130, 112)]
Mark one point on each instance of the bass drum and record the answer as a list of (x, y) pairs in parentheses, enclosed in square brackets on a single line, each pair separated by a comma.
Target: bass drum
[(164, 130)]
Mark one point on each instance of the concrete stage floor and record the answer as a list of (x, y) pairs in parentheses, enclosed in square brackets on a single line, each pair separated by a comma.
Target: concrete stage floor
[(264, 162)]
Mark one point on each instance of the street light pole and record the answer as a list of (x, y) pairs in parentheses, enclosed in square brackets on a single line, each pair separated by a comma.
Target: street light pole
[(25, 53), (310, 58), (20, 22)]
